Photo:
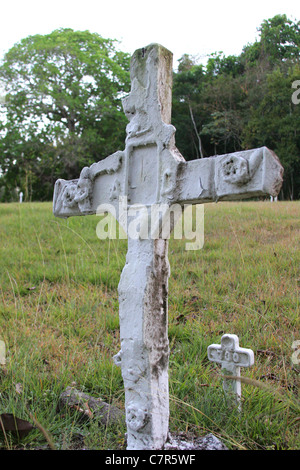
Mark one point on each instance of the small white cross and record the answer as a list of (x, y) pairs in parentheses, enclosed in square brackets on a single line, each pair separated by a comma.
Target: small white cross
[(232, 358)]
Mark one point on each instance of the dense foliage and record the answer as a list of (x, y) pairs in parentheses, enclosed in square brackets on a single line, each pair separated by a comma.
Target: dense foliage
[(61, 108), (245, 101)]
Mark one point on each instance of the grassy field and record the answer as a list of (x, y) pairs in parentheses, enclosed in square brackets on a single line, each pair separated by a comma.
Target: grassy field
[(59, 322)]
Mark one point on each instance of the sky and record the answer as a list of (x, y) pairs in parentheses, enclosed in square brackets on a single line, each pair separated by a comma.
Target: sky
[(193, 27)]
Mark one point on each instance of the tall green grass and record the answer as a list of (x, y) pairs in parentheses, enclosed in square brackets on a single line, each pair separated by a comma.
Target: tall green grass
[(59, 321)]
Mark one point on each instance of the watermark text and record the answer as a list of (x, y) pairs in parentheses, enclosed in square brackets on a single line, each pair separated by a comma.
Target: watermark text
[(142, 222)]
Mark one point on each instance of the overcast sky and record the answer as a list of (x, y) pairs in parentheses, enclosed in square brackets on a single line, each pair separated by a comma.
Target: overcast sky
[(188, 26)]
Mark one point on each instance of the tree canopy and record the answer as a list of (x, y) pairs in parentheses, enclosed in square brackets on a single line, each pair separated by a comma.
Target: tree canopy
[(60, 108), (242, 102)]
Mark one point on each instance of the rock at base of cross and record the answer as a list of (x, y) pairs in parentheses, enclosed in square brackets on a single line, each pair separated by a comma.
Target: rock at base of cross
[(182, 441), (89, 407)]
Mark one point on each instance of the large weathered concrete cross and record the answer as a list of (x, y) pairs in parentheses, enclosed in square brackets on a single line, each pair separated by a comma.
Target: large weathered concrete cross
[(151, 171)]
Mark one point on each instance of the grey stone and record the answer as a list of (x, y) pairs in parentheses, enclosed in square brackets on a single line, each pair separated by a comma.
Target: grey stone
[(182, 441)]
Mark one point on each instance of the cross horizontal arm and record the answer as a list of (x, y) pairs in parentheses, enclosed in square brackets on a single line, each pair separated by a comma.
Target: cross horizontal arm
[(97, 184), (239, 175)]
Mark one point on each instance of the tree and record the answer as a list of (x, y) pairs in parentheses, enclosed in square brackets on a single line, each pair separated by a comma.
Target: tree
[(187, 92), (271, 67), (275, 123), (218, 64), (62, 104), (280, 39), (240, 102), (206, 106)]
